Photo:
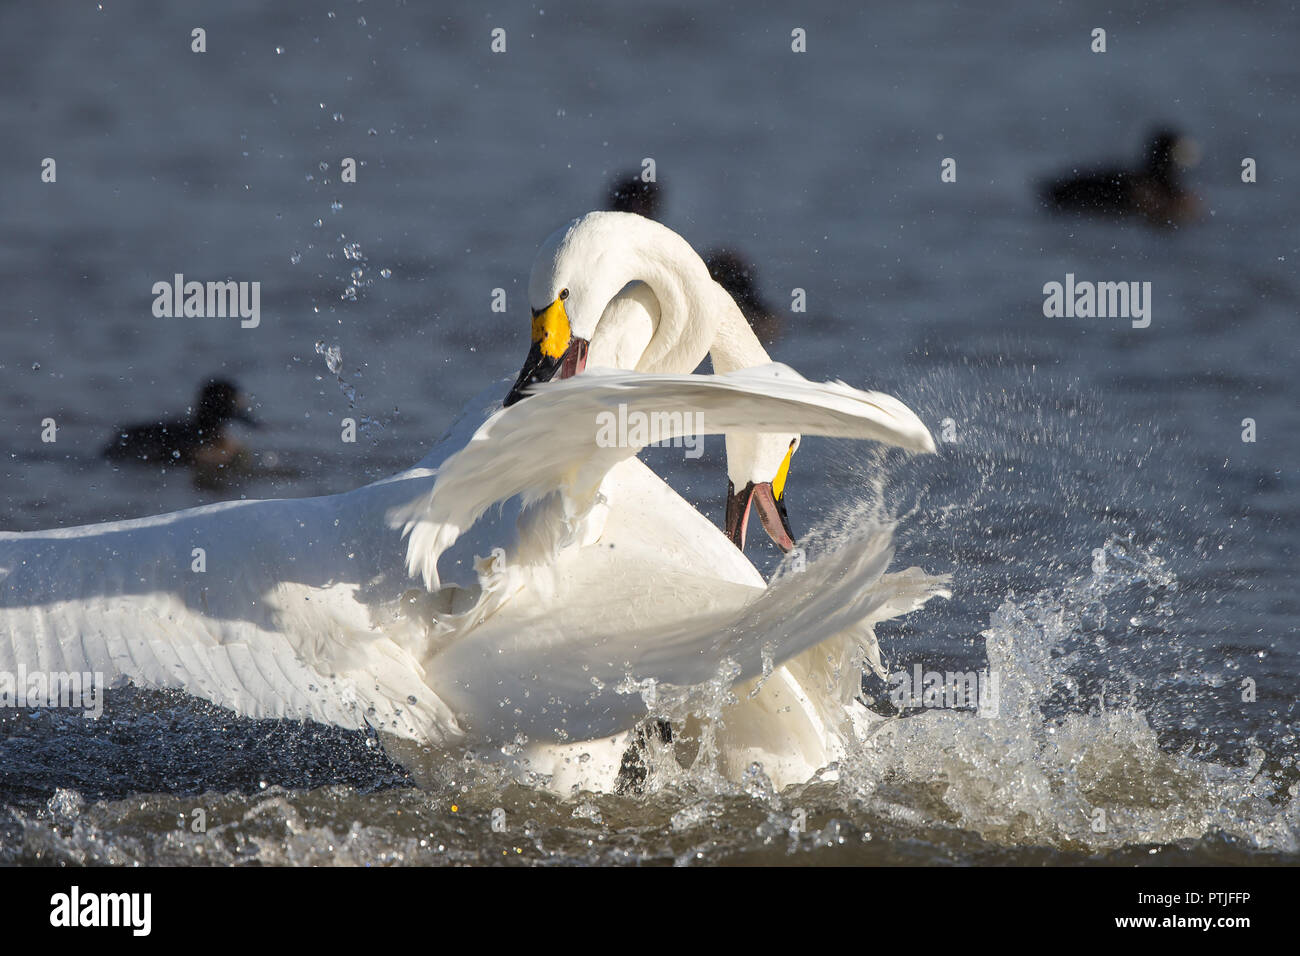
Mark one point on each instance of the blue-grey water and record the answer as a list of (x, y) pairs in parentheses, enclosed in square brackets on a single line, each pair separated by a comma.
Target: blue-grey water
[(1118, 552)]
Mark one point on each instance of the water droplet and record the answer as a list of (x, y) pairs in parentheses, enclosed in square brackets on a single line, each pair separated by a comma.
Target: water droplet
[(296, 257), (279, 50), (386, 273), (333, 356)]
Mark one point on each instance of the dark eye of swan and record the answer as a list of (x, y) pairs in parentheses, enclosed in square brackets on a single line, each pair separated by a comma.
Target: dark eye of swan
[(564, 293)]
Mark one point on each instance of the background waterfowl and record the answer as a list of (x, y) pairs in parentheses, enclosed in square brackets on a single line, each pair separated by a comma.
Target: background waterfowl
[(633, 194), (199, 439), (1153, 190), (737, 275), (728, 267)]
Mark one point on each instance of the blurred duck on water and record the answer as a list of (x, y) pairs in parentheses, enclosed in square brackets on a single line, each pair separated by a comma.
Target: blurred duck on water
[(198, 440), (728, 268), (1153, 191)]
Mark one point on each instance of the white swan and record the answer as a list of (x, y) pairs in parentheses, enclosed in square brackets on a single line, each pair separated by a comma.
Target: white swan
[(620, 290), (579, 625), (301, 608)]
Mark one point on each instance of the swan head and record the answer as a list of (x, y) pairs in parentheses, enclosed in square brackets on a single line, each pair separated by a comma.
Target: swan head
[(583, 267), (568, 290), (757, 467)]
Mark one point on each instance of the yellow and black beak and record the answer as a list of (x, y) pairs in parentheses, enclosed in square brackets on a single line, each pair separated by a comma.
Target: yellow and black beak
[(769, 496), (555, 351)]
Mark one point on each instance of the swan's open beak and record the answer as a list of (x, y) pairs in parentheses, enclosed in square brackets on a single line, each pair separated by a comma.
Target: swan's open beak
[(771, 511), (554, 351), (770, 498)]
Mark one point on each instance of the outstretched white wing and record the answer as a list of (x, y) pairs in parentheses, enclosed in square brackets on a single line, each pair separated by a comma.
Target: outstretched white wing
[(300, 610), (250, 605), (569, 435)]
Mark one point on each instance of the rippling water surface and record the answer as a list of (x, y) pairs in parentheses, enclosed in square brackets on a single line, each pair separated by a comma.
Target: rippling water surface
[(1120, 557)]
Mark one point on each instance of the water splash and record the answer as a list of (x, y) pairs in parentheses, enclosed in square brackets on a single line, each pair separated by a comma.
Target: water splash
[(1092, 633), (333, 355), (1057, 768)]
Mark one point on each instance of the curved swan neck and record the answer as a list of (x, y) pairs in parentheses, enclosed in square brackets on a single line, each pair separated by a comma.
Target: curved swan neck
[(688, 313), (599, 257), (735, 346), (697, 316), (751, 456)]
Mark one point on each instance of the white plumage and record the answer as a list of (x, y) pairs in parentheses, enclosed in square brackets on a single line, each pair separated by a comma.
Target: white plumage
[(540, 617)]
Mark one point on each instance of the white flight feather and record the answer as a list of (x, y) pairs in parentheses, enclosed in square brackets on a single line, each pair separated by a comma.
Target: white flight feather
[(552, 441)]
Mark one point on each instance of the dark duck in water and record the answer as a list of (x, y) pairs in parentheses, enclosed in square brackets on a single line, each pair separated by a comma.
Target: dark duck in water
[(1153, 190), (199, 439)]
